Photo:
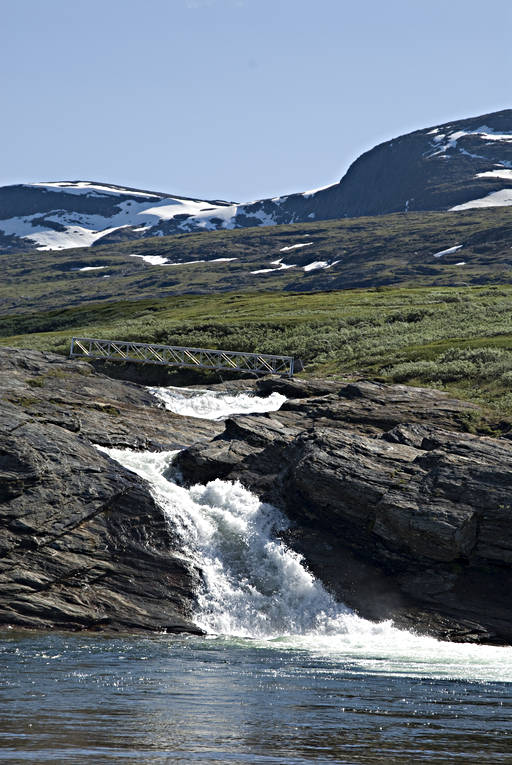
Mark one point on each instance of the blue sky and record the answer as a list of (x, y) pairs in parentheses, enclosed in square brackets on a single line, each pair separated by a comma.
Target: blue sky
[(236, 99)]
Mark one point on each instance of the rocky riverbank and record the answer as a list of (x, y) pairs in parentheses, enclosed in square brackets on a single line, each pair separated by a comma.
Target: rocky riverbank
[(83, 545), (399, 511)]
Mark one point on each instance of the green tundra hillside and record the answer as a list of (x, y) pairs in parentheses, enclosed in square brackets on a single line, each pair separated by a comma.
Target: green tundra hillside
[(454, 338), (413, 249)]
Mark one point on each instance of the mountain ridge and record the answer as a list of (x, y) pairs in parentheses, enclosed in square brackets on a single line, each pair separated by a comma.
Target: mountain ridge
[(458, 165)]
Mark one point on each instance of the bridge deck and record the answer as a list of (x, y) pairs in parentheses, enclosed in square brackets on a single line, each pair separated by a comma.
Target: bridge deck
[(178, 356)]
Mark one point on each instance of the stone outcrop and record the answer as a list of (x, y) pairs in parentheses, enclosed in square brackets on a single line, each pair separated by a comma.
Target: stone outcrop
[(83, 545), (398, 512)]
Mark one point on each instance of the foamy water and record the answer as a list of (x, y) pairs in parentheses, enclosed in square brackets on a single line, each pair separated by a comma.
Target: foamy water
[(256, 588), (215, 405)]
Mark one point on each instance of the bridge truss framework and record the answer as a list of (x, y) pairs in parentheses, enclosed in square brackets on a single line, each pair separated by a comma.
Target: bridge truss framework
[(177, 356)]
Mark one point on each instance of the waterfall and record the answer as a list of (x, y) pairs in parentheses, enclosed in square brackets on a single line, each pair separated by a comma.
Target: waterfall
[(255, 586)]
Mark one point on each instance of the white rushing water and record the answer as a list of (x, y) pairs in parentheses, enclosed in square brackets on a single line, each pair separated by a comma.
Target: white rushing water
[(257, 588), (215, 405)]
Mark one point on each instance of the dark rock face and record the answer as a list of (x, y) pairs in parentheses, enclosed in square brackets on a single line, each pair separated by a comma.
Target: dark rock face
[(428, 169), (83, 545), (399, 514)]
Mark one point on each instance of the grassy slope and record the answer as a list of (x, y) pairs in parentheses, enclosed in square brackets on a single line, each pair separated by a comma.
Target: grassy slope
[(458, 338), (394, 249)]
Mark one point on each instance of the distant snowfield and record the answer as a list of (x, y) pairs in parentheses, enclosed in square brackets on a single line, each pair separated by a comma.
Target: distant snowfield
[(501, 198), (295, 246), (78, 187), (139, 210), (503, 173), (47, 239), (82, 229), (448, 251), (198, 210)]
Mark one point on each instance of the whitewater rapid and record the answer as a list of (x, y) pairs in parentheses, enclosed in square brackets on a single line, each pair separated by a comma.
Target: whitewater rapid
[(215, 405), (256, 588)]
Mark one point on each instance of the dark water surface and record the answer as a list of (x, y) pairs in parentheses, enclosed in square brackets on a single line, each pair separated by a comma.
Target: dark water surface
[(75, 699)]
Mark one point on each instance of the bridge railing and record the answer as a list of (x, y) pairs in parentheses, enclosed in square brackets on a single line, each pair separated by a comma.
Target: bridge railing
[(179, 356)]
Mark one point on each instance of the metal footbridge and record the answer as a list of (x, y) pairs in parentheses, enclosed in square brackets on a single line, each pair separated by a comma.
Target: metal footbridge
[(177, 356)]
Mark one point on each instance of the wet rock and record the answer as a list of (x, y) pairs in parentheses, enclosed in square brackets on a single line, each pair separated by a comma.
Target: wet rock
[(296, 388), (69, 393)]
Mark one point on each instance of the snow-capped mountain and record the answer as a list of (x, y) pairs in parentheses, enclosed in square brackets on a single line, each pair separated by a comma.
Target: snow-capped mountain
[(59, 215), (455, 166)]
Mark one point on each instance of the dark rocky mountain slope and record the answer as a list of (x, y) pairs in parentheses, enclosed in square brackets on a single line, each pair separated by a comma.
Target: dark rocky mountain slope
[(430, 169)]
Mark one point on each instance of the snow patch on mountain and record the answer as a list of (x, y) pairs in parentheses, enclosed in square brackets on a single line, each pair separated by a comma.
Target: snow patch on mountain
[(280, 266), (312, 192), (502, 198), (443, 142), (68, 235), (87, 187), (62, 229), (168, 209), (89, 268), (184, 263), (502, 173), (317, 264), (448, 251), (295, 246), (153, 260)]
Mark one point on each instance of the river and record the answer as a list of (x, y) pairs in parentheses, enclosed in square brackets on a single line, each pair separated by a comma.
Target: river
[(285, 674)]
